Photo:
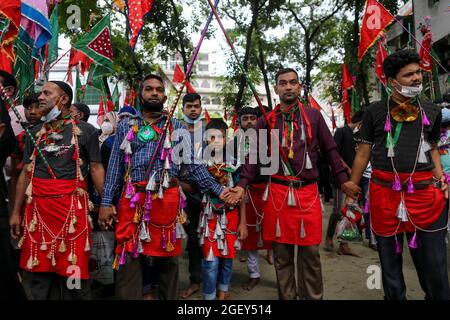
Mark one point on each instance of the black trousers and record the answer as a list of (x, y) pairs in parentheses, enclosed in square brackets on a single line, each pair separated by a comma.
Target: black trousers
[(51, 286), (129, 280), (10, 287), (430, 261), (195, 252)]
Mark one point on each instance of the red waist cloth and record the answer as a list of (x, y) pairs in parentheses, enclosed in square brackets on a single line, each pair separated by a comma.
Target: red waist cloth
[(307, 212), (424, 206), (55, 205), (230, 235), (163, 215), (254, 211)]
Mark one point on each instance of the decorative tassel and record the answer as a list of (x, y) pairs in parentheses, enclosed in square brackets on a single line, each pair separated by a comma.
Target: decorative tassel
[(402, 213), (210, 256), (62, 246), (122, 259), (53, 261), (225, 248), (422, 153), (87, 245), (285, 168), (130, 135), (308, 162), (219, 244), (366, 205), (291, 197), (391, 153), (291, 154), (143, 233), (134, 200), (115, 264), (29, 190), (167, 164), (302, 230), (127, 158), (397, 186), (398, 247), (80, 206), (224, 220), (30, 263), (181, 234), (204, 199), (43, 246), (219, 231), (146, 216), (387, 124), (140, 248), (70, 256), (136, 216), (278, 229), (266, 192), (135, 250), (412, 244), (167, 143), (151, 185), (207, 232), (202, 240), (257, 227), (410, 185), (161, 192), (174, 235), (425, 120), (237, 244), (129, 191), (163, 240), (260, 242), (302, 133), (166, 179), (123, 145)]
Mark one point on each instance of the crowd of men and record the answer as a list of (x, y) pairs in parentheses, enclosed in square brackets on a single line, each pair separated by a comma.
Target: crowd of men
[(154, 180)]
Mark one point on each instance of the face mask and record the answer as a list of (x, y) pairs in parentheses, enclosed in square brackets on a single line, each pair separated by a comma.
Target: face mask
[(356, 130), (409, 92), (51, 115), (152, 107), (189, 120), (107, 128)]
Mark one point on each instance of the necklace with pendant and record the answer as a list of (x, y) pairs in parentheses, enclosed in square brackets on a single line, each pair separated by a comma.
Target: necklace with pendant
[(147, 132)]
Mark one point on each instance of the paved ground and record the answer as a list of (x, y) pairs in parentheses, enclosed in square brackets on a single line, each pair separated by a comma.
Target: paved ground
[(344, 277)]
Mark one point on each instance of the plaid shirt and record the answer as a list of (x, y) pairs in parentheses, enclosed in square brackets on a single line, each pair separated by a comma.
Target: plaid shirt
[(140, 159)]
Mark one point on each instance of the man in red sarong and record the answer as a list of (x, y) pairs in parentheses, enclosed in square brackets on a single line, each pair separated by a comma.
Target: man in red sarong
[(408, 188), (150, 211), (56, 237), (293, 214)]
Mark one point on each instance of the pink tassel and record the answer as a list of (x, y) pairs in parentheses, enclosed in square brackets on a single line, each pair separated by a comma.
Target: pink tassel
[(127, 158), (398, 247), (129, 192), (163, 241), (410, 186), (183, 203), (174, 235), (135, 200), (425, 120), (130, 135), (163, 154), (447, 178), (366, 206), (387, 124), (149, 202), (413, 242), (122, 257), (397, 186), (146, 216)]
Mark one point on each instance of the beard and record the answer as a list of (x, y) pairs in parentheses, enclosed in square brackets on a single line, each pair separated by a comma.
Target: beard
[(152, 106)]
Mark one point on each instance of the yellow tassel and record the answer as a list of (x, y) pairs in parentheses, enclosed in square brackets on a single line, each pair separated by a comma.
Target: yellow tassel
[(53, 261), (136, 128), (71, 228), (30, 263), (169, 246), (43, 246), (154, 196), (136, 216), (50, 255), (77, 131), (87, 246), (79, 204), (35, 262), (20, 242), (291, 154), (115, 264), (74, 259)]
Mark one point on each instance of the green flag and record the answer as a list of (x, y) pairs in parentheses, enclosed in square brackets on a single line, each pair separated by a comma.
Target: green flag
[(115, 97), (355, 103), (80, 91), (53, 44), (23, 68), (96, 44)]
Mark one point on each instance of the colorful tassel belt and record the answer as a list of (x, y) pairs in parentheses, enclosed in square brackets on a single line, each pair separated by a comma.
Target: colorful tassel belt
[(419, 185), (294, 183), (141, 188)]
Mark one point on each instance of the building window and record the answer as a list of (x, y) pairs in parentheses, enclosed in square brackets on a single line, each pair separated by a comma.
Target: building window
[(203, 67), (215, 101), (203, 57), (205, 84), (205, 100)]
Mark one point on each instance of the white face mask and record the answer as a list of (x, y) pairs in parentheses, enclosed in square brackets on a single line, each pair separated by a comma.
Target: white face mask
[(51, 115), (409, 92), (107, 128)]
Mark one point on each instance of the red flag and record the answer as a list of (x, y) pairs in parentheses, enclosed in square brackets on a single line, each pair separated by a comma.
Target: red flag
[(137, 9), (376, 18), (333, 119), (381, 55), (347, 107), (207, 117), (225, 117), (101, 112), (178, 77), (109, 105), (313, 103), (234, 121), (5, 63), (77, 57), (347, 81), (426, 61), (9, 11)]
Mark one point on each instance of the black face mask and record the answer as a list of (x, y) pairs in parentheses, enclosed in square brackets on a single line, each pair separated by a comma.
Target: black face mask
[(151, 106)]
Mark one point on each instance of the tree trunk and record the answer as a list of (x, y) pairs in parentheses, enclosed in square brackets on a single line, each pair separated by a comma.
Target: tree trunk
[(180, 39), (262, 67), (248, 46), (308, 67)]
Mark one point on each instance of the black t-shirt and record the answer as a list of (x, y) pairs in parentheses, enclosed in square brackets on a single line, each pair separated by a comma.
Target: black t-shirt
[(372, 132), (63, 165), (345, 144)]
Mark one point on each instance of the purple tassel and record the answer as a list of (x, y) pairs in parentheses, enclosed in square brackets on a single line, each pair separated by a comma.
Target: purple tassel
[(127, 158), (387, 124), (425, 120), (397, 186), (163, 154), (148, 201), (366, 206), (183, 203), (135, 200), (174, 236), (122, 257), (169, 154), (130, 135), (413, 242), (447, 178), (410, 186), (398, 247), (135, 250), (129, 192), (146, 216), (163, 241)]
